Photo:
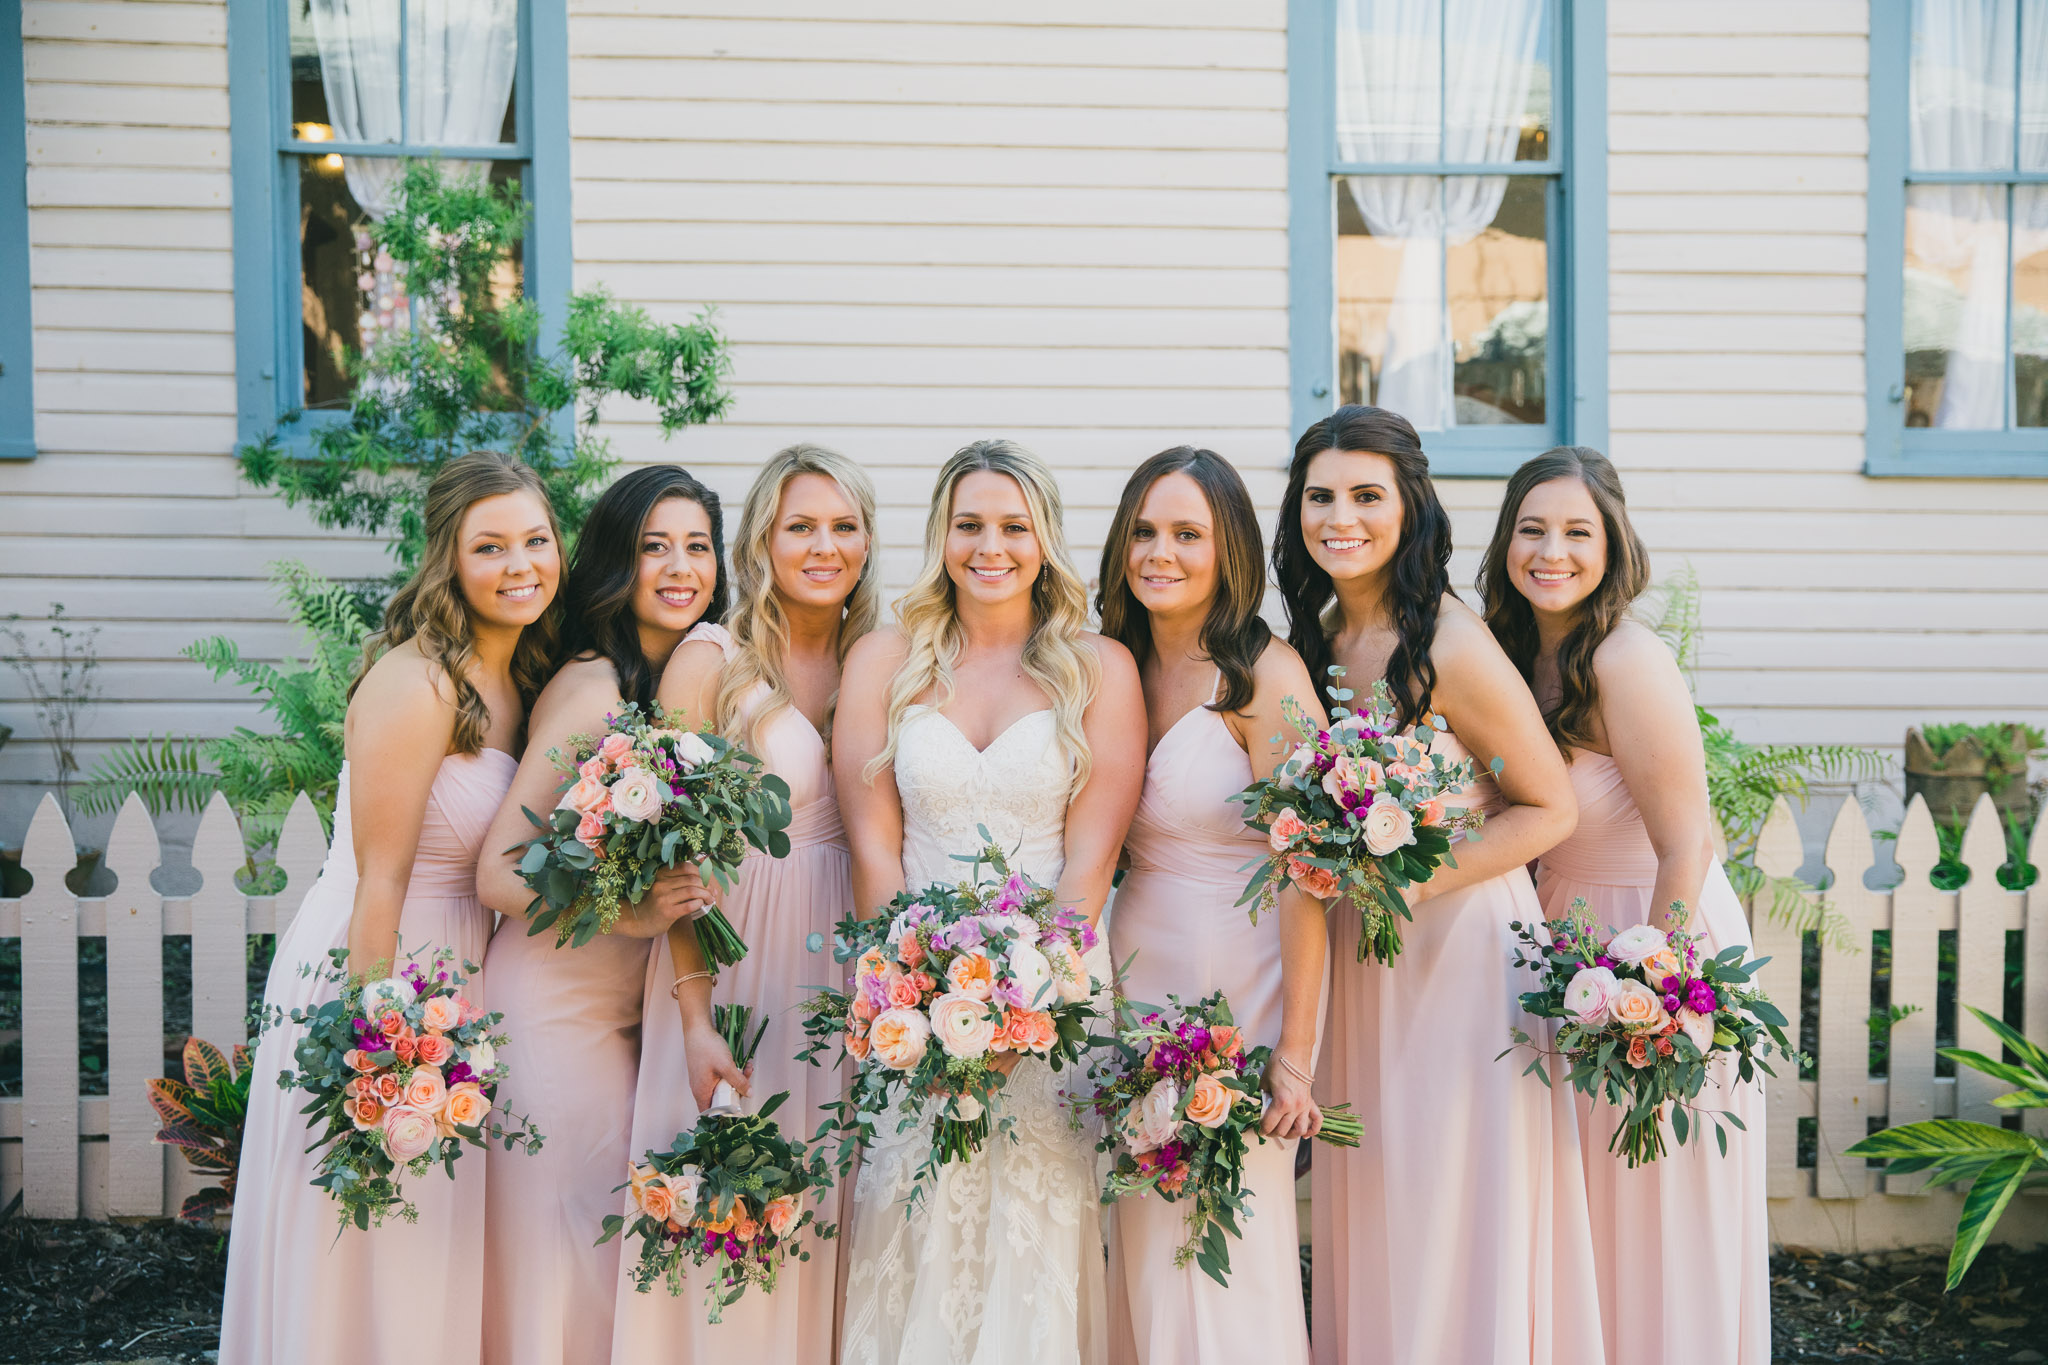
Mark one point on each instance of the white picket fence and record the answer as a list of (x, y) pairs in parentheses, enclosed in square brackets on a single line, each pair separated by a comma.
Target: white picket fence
[(93, 1156)]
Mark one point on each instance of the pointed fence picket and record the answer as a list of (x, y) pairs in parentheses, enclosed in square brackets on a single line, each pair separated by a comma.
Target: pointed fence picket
[(94, 1156)]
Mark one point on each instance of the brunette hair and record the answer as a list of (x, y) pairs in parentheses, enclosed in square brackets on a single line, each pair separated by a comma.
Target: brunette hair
[(431, 609), (1233, 635), (1420, 572), (1513, 621), (598, 598)]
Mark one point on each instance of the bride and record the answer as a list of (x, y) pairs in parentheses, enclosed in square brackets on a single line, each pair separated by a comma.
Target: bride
[(989, 705)]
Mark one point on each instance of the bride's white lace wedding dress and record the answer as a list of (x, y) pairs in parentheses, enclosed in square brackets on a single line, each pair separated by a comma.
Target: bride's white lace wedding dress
[(1002, 1263)]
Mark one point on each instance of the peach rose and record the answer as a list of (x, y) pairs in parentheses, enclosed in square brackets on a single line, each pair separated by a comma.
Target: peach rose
[(1030, 1031), (909, 951), (1660, 964), (391, 1023), (1226, 1039), (467, 1105), (1636, 1007), (1639, 1051), (1209, 1101), (388, 1088), (1287, 826), (1371, 776), (587, 797), (1406, 773), (615, 748), (1319, 882), (442, 1012), (962, 1025), (1342, 779), (781, 1214), (1430, 812), (406, 1046), (365, 1114), (743, 1225), (657, 1201), (972, 974), (358, 1059), (427, 1091), (590, 832), (900, 991), (899, 1038), (863, 1009), (593, 768), (1071, 974), (857, 1046), (435, 1050), (408, 1133)]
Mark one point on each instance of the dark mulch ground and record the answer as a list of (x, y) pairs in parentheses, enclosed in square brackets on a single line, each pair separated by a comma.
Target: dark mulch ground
[(89, 1292)]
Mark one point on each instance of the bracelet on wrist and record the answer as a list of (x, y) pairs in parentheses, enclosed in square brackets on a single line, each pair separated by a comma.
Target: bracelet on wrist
[(675, 992)]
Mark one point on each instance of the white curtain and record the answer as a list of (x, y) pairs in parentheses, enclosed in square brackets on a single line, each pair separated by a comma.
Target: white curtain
[(460, 59), (1388, 102)]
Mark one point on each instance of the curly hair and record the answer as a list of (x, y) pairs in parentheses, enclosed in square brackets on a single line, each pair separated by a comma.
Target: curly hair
[(760, 629), (1233, 633), (1055, 656), (598, 598), (431, 609), (1513, 621), (1420, 573)]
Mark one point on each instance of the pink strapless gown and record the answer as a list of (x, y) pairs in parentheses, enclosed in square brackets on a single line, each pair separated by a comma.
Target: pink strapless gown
[(1178, 912), (1683, 1244), (776, 905), (1457, 1232), (296, 1293), (575, 1013)]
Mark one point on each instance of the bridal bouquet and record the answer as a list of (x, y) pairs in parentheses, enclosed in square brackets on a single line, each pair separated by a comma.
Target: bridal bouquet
[(1357, 810), (401, 1073), (946, 980), (1180, 1104), (728, 1194), (644, 796), (1644, 1014)]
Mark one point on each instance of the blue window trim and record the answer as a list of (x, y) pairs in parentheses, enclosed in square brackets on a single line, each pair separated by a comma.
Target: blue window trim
[(1579, 269), (17, 319), (266, 245), (1890, 449)]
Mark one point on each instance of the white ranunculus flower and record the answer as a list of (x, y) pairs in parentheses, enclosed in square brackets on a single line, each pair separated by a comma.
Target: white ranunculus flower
[(482, 1058), (1150, 1125), (1587, 994), (637, 795), (962, 1024), (1297, 765), (1387, 826), (1698, 1027), (392, 993), (691, 750), (683, 1185), (1031, 973), (1637, 942)]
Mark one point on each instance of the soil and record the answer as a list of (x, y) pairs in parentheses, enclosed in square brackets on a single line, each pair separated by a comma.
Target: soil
[(72, 1293)]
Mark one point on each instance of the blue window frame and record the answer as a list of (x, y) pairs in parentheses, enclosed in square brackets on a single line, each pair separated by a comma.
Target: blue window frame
[(304, 290), (1956, 320), (1448, 252), (17, 328)]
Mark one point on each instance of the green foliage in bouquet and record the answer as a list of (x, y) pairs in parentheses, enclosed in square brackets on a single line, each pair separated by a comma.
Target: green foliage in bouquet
[(202, 1117), (1996, 1163)]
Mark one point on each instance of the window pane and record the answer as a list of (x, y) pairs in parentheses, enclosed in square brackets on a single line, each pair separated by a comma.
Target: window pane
[(1443, 298), (459, 63), (350, 294), (1389, 68), (2030, 305), (1955, 307), (1404, 93), (1960, 105), (2034, 85), (1497, 80)]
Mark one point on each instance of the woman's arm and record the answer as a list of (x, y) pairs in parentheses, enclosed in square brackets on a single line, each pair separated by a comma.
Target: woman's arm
[(1489, 708), (872, 811), (576, 702), (403, 722), (1263, 730), (1654, 734), (1100, 814)]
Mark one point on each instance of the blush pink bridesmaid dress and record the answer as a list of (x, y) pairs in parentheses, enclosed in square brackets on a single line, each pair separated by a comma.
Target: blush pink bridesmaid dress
[(1682, 1244), (776, 906), (298, 1294), (1177, 911), (1457, 1232)]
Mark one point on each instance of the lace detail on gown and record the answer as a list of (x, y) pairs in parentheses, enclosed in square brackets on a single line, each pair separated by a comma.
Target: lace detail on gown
[(1002, 1262)]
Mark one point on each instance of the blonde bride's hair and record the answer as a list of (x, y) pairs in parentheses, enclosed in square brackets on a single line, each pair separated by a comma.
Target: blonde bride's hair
[(1055, 656), (760, 630)]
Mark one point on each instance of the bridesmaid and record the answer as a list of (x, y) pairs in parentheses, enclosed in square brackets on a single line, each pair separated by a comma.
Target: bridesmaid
[(645, 572), (433, 719), (1558, 580), (1457, 1231), (1182, 585), (805, 577)]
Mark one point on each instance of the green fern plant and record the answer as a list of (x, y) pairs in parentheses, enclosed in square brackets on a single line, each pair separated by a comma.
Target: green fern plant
[(1996, 1163), (202, 1117), (260, 774), (1744, 780)]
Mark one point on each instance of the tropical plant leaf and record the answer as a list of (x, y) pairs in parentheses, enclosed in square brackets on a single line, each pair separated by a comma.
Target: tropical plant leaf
[(1982, 1206), (1941, 1139)]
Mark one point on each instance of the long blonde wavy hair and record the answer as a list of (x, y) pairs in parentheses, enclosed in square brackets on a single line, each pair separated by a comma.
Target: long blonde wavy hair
[(1055, 656), (430, 607), (760, 628)]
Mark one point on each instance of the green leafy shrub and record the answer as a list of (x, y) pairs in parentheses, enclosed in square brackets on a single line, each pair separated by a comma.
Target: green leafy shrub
[(202, 1117)]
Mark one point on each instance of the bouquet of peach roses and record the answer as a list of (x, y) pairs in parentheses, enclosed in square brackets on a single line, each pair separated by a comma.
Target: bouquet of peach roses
[(1357, 810), (1645, 1013), (402, 1072), (1180, 1104), (728, 1194), (643, 796), (945, 981)]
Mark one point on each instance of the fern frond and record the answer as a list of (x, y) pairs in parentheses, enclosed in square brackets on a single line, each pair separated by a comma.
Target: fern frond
[(166, 773)]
